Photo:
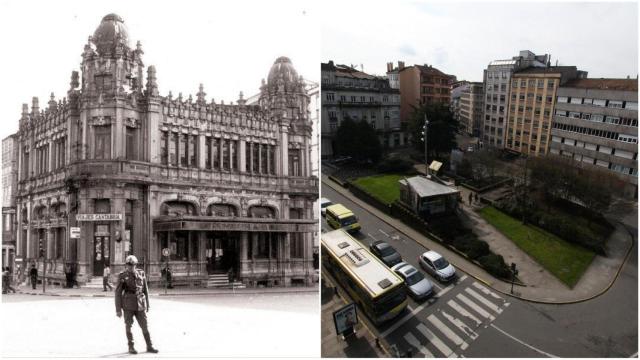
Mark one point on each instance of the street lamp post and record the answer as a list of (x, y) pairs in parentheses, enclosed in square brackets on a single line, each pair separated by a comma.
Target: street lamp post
[(424, 138)]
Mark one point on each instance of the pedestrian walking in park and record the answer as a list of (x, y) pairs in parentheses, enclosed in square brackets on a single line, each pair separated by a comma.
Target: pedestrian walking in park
[(132, 297), (105, 278), (33, 275)]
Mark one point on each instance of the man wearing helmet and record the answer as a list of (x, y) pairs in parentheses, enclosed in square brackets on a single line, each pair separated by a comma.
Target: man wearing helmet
[(132, 296)]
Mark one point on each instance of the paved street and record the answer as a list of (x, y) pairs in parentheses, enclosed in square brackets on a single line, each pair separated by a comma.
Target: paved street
[(469, 319), (270, 325)]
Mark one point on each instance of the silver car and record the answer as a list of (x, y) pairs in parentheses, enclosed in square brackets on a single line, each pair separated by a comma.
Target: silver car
[(437, 266), (324, 202), (419, 286)]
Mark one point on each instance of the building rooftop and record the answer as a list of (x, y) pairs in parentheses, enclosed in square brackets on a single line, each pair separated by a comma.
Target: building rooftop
[(546, 70), (426, 188), (427, 70), (503, 62), (604, 84)]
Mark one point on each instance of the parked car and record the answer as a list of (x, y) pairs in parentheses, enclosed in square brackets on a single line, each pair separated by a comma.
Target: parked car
[(437, 266), (419, 286), (324, 202), (385, 252)]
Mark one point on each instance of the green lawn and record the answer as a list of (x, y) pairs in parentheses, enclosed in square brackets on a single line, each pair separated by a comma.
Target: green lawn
[(564, 260), (383, 187)]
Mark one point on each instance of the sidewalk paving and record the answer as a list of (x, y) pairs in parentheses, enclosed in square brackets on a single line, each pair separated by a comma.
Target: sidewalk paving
[(541, 285), (361, 345), (176, 291)]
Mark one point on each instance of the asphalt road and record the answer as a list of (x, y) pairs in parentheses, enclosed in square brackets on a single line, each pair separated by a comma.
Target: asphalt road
[(468, 319)]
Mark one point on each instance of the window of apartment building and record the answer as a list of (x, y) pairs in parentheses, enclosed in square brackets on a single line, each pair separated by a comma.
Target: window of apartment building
[(539, 98), (520, 108), (272, 160), (599, 102), (164, 151), (182, 149), (131, 147), (264, 153), (503, 87), (501, 109), (612, 120), (530, 96), (551, 84), (233, 148), (103, 142), (207, 152), (385, 98), (523, 83), (514, 83), (522, 97), (587, 101), (631, 105), (562, 99), (628, 138), (502, 98), (353, 98), (330, 96), (294, 162), (615, 104), (532, 83), (547, 113), (226, 151), (574, 115), (371, 99), (343, 98), (362, 99), (597, 118), (255, 159), (514, 96), (192, 150), (575, 100), (540, 84), (173, 146), (625, 154), (215, 154), (536, 112), (561, 113)]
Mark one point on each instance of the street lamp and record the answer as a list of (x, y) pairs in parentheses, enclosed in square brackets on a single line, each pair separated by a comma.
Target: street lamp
[(424, 138)]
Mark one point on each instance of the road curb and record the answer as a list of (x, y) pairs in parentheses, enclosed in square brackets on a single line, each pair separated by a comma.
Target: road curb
[(626, 257), (238, 292)]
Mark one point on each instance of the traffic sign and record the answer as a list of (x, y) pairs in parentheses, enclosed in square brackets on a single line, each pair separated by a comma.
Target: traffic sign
[(74, 232), (165, 252)]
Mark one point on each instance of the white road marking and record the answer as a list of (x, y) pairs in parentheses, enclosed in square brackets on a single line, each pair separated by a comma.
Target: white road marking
[(524, 343), (441, 346), (463, 312), (462, 278), (475, 307), (460, 325), (371, 236), (486, 302), (413, 341), (486, 291), (447, 332), (385, 234)]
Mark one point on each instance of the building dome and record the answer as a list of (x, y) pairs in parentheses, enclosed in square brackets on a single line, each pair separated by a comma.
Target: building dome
[(282, 67), (110, 33)]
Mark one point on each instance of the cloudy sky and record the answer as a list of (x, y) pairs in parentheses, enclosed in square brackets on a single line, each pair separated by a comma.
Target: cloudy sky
[(229, 46), (462, 38)]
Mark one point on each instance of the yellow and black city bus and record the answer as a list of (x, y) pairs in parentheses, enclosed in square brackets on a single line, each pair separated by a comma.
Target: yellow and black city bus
[(339, 217), (378, 291)]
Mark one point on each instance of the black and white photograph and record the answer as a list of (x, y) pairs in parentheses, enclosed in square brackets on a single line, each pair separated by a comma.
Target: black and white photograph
[(160, 175)]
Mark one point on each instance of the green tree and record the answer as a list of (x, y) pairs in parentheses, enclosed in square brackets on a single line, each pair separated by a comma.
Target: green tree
[(358, 140), (441, 134)]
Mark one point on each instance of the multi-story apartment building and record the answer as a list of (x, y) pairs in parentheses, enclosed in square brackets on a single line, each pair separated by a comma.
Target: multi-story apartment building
[(531, 106), (456, 91), (596, 124), (471, 108), (422, 84), (393, 74), (350, 93), (9, 185), (116, 169), (497, 78)]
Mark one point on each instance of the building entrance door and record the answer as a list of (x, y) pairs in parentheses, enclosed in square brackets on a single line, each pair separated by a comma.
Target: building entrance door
[(100, 249), (221, 252)]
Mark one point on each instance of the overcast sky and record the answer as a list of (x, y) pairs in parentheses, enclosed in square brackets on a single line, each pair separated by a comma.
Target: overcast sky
[(462, 38), (229, 46)]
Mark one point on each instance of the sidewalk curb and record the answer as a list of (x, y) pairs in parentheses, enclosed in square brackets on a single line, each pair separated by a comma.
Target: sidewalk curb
[(353, 198), (217, 293)]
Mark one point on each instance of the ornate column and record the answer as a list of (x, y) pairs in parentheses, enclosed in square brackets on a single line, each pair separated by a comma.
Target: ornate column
[(201, 150), (242, 153)]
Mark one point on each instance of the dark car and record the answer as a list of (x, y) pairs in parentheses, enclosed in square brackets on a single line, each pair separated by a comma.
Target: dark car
[(385, 252)]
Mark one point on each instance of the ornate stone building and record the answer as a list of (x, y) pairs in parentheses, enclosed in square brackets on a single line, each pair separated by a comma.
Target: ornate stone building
[(219, 187)]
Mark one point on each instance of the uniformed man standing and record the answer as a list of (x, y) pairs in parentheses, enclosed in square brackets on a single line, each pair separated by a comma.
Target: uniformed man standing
[(132, 296)]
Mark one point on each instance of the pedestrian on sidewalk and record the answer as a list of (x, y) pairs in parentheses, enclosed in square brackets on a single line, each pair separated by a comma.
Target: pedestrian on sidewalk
[(470, 197), (132, 296), (105, 278), (74, 276), (7, 273), (33, 275), (67, 274)]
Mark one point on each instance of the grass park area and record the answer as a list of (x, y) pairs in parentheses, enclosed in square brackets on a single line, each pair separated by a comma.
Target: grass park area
[(564, 260), (384, 187)]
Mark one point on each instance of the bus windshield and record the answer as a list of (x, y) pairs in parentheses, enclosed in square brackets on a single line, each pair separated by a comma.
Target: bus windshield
[(348, 220), (390, 300)]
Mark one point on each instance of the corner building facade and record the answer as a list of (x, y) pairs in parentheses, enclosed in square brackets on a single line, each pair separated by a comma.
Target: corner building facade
[(208, 188)]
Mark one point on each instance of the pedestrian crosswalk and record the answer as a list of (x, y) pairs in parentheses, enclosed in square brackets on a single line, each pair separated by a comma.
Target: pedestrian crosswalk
[(449, 327)]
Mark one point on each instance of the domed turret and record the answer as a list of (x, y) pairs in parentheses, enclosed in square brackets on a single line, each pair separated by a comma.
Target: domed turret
[(110, 33), (282, 67)]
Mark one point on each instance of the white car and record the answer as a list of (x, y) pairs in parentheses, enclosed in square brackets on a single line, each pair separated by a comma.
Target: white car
[(437, 266), (419, 286), (324, 202)]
